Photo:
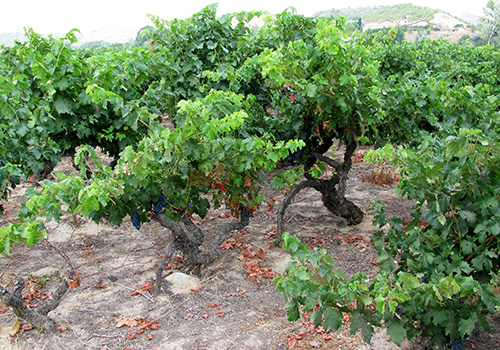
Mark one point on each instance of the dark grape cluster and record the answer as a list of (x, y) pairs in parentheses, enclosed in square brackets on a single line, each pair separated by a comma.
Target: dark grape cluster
[(399, 309), (245, 215), (457, 344), (159, 205), (293, 157), (135, 220)]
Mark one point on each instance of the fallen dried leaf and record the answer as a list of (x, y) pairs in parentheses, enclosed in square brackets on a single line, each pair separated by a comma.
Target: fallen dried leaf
[(125, 321), (220, 313), (74, 284), (224, 215), (131, 335), (15, 327), (205, 316), (261, 254), (149, 337), (146, 287), (196, 289), (189, 316), (213, 305), (292, 342)]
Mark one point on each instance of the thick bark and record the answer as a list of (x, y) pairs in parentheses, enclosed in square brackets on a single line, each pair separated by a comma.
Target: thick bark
[(36, 317), (42, 174), (187, 241), (332, 190)]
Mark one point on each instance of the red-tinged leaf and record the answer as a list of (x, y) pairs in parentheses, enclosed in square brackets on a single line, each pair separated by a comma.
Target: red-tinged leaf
[(248, 183), (220, 313), (205, 316), (149, 337), (224, 215), (213, 305), (196, 222), (209, 218), (376, 263), (327, 336), (189, 316)]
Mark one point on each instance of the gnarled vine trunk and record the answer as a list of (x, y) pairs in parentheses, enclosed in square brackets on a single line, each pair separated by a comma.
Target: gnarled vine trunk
[(187, 241), (36, 317), (332, 190)]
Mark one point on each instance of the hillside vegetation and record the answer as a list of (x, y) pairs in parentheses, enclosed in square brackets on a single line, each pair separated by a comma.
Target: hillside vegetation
[(379, 13)]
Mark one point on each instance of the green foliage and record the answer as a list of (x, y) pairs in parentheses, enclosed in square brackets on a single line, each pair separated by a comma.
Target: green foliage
[(311, 285), (188, 48), (452, 241), (205, 154), (322, 86)]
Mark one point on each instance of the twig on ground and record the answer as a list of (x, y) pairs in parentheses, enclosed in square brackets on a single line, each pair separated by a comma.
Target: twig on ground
[(137, 291), (106, 336)]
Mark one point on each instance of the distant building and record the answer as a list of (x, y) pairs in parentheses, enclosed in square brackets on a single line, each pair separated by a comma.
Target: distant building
[(388, 24), (419, 23)]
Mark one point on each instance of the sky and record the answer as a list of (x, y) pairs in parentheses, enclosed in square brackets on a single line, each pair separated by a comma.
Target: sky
[(60, 16)]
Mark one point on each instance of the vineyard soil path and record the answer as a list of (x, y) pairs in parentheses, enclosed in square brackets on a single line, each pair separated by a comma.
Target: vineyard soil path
[(234, 305)]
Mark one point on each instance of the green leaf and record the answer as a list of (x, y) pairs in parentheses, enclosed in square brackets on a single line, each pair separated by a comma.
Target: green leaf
[(409, 281), (293, 314), (333, 319), (317, 317), (63, 105), (302, 273), (466, 326), (441, 218), (365, 299), (396, 331)]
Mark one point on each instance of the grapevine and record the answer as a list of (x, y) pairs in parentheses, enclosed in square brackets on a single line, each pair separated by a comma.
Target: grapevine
[(198, 122)]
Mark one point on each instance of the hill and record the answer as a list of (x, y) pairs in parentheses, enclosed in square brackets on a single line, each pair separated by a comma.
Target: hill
[(380, 13)]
